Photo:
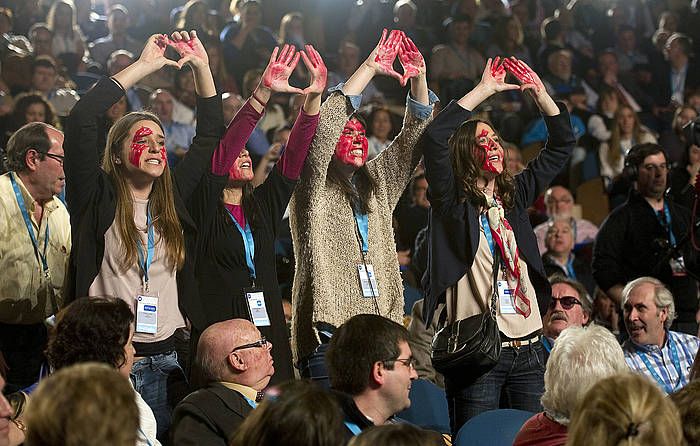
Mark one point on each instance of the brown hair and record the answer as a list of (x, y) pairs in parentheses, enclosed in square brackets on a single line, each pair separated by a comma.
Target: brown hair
[(83, 405), (161, 200), (687, 400), (29, 136), (467, 168)]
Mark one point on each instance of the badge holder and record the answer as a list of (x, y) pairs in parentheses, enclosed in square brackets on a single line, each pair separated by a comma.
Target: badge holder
[(257, 310), (146, 314), (506, 305)]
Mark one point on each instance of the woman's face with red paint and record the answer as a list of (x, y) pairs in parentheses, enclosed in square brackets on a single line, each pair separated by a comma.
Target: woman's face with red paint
[(488, 149), (143, 151), (242, 169), (352, 145)]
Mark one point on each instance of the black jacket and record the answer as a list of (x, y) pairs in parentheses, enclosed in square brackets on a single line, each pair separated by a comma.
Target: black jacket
[(582, 269), (454, 222), (630, 244), (92, 198), (209, 416)]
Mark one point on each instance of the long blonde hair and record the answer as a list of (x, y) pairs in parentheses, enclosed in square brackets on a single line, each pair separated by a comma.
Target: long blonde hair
[(615, 152), (161, 200)]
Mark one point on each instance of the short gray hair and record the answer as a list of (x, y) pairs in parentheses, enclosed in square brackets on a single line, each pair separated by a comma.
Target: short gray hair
[(662, 296), (581, 357)]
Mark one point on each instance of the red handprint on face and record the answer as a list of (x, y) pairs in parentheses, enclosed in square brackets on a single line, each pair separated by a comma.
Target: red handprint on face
[(386, 52), (411, 59), (278, 70), (319, 72)]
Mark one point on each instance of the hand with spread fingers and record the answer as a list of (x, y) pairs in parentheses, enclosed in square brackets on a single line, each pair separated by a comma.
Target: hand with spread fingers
[(190, 49), (317, 69), (531, 82), (281, 65), (494, 77), (382, 58), (411, 60), (153, 53)]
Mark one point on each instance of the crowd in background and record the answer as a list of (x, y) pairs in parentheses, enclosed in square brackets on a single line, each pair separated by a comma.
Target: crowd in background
[(625, 70)]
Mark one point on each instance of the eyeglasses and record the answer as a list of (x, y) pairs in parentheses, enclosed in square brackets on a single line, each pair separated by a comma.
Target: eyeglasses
[(567, 302), (408, 362), (263, 343), (58, 158)]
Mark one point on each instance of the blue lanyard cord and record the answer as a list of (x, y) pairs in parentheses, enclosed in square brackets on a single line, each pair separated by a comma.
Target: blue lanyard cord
[(570, 267), (145, 437), (676, 365), (354, 428), (487, 232), (250, 402), (41, 255), (145, 263), (666, 223), (363, 229), (248, 244)]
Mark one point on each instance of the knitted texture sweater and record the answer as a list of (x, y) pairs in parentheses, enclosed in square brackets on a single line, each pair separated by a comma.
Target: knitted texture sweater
[(326, 242)]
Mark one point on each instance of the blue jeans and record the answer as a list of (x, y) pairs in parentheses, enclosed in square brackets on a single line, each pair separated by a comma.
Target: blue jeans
[(314, 367), (162, 384), (516, 382)]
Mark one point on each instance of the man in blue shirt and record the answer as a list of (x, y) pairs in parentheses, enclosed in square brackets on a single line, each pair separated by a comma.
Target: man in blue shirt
[(652, 349)]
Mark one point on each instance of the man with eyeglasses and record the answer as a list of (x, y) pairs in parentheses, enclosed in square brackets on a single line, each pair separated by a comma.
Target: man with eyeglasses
[(234, 361), (652, 349), (371, 368), (648, 236), (35, 242), (570, 307), (560, 203)]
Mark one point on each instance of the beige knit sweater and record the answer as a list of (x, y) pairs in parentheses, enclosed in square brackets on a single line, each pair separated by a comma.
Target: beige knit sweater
[(326, 283)]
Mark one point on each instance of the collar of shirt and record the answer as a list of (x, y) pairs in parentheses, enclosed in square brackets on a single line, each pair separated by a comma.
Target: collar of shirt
[(246, 391), (31, 203), (648, 348)]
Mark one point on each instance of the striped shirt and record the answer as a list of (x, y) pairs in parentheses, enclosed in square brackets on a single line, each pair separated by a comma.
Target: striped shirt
[(669, 366)]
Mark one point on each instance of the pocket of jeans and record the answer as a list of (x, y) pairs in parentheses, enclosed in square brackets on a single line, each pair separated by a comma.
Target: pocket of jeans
[(166, 365)]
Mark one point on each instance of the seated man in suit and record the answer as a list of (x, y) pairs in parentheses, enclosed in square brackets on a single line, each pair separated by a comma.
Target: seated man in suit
[(235, 362)]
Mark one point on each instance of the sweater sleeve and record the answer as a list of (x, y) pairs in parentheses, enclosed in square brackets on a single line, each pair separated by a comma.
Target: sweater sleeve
[(292, 160), (235, 137)]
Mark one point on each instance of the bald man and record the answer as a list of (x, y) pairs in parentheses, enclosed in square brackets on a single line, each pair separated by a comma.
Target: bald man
[(235, 362)]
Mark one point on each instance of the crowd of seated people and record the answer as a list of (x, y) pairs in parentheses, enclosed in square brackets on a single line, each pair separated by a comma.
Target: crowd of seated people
[(212, 124)]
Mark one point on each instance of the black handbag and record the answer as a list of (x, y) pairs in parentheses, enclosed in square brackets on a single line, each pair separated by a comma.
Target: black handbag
[(471, 347)]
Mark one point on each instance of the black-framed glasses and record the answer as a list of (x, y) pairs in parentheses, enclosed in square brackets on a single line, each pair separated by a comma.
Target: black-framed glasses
[(567, 302), (58, 158), (408, 362), (262, 343)]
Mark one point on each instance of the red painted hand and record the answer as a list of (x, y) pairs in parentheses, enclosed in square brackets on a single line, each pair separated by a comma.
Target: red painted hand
[(524, 74), (384, 55), (411, 60), (189, 47), (154, 52), (278, 70), (494, 75), (319, 72)]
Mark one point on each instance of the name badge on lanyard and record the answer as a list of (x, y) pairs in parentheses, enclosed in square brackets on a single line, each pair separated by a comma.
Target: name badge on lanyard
[(677, 263), (146, 303), (365, 271), (40, 255), (505, 298)]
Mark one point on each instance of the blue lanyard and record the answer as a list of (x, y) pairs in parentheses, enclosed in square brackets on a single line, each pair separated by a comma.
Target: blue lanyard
[(354, 428), (487, 232), (546, 344), (145, 263), (28, 223), (251, 403), (143, 434), (666, 223), (248, 244), (363, 228), (676, 365), (570, 267)]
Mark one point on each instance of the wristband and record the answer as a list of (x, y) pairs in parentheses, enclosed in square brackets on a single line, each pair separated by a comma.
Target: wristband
[(254, 96), (118, 84)]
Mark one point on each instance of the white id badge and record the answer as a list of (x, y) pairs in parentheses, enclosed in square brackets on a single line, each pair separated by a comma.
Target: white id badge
[(505, 298), (678, 267), (256, 304), (146, 314), (368, 281)]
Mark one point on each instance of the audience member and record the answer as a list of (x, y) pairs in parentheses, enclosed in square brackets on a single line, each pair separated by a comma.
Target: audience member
[(673, 140), (682, 177), (627, 49), (118, 61), (370, 365), (235, 363), (570, 307), (380, 131), (86, 404), (35, 244), (117, 39), (402, 434), (625, 409), (560, 258), (41, 38), (580, 358), (679, 75), (178, 136), (687, 401), (635, 239), (348, 61), (67, 37), (297, 413), (652, 348), (627, 131)]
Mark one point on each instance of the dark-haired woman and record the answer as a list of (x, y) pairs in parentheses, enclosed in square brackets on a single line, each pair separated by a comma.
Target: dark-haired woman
[(340, 213), (238, 223), (133, 236), (477, 210)]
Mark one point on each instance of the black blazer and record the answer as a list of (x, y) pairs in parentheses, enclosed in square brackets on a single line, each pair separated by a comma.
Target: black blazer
[(454, 222), (209, 416), (92, 199)]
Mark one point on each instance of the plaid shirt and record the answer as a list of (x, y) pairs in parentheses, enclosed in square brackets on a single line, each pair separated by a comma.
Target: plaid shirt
[(663, 370)]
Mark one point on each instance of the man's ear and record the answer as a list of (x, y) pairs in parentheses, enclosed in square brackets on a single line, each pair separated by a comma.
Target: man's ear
[(31, 159), (378, 375), (237, 363), (663, 314)]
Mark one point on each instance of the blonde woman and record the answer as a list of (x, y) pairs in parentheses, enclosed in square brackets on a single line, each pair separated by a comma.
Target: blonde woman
[(626, 132), (135, 238)]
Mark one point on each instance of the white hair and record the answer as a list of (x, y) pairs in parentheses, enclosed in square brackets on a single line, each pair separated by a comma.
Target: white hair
[(662, 296), (581, 357)]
